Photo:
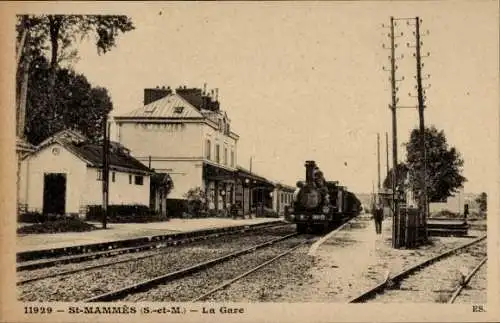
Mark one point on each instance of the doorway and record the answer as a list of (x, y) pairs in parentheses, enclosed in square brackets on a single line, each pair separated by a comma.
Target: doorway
[(54, 193)]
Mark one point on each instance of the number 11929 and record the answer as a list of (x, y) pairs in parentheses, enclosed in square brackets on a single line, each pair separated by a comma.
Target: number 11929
[(37, 310)]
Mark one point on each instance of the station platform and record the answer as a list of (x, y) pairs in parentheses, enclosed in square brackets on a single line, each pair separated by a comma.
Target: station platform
[(354, 258), (121, 231)]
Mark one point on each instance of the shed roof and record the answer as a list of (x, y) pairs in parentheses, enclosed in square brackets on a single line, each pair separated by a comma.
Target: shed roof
[(92, 152)]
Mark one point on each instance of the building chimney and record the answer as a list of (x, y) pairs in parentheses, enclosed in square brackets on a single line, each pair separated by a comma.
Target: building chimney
[(193, 95), (217, 94), (151, 95)]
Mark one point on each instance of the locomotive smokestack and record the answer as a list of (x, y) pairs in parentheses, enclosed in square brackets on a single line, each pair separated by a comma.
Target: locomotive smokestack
[(310, 165)]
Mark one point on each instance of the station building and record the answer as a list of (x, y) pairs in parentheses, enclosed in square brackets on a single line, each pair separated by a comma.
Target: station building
[(185, 133)]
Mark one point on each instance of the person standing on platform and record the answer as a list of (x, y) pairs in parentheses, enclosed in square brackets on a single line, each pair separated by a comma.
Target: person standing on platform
[(378, 215)]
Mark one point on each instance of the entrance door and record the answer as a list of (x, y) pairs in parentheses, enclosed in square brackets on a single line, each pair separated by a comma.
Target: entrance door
[(54, 193)]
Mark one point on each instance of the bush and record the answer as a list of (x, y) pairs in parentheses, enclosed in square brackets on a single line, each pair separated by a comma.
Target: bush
[(37, 217), (124, 214), (32, 217), (66, 224)]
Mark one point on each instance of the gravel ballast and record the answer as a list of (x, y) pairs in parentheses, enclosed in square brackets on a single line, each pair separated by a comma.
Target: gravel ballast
[(85, 284), (193, 286)]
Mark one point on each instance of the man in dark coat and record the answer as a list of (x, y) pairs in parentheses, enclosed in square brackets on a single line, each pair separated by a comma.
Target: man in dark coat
[(378, 216)]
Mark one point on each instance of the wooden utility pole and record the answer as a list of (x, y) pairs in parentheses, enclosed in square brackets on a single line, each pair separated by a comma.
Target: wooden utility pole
[(105, 173), (387, 154), (395, 219), (421, 106), (378, 162)]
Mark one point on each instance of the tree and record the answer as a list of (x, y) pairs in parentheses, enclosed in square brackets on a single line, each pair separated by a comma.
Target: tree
[(443, 167), (78, 105), (58, 34), (402, 172), (482, 201)]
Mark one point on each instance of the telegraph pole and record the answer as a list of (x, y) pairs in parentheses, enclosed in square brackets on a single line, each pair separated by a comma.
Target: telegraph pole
[(421, 106), (378, 161), (395, 218), (105, 173), (387, 154)]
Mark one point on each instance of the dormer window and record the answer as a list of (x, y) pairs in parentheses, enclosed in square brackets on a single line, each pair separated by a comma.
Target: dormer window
[(178, 109)]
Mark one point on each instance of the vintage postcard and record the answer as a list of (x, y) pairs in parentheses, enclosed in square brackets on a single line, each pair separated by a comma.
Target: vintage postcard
[(295, 161)]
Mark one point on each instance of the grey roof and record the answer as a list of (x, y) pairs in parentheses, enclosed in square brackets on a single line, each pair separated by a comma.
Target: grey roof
[(167, 107), (79, 145)]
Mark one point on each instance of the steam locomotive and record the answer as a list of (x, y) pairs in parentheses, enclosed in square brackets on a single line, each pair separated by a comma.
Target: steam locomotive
[(319, 204)]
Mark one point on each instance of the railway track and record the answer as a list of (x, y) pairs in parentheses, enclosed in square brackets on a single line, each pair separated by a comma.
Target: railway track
[(150, 244), (466, 281), (418, 283), (146, 285), (75, 282)]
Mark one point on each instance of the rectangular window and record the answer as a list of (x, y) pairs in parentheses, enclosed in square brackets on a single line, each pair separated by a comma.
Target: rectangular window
[(208, 149), (217, 153), (99, 175), (225, 155), (113, 178), (130, 179), (232, 158), (139, 180)]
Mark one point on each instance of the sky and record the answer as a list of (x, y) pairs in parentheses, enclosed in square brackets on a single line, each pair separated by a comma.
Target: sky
[(305, 80)]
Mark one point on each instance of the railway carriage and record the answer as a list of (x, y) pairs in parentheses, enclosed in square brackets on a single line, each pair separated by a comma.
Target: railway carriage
[(319, 204)]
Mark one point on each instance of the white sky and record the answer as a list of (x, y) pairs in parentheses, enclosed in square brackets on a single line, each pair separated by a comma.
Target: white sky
[(304, 80)]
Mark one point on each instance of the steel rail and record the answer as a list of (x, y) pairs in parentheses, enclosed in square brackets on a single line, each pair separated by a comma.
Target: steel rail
[(372, 292), (466, 281), (52, 253), (231, 281), (30, 265), (117, 294), (72, 271)]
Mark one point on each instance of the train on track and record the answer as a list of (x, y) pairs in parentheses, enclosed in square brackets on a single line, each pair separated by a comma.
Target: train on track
[(319, 205)]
